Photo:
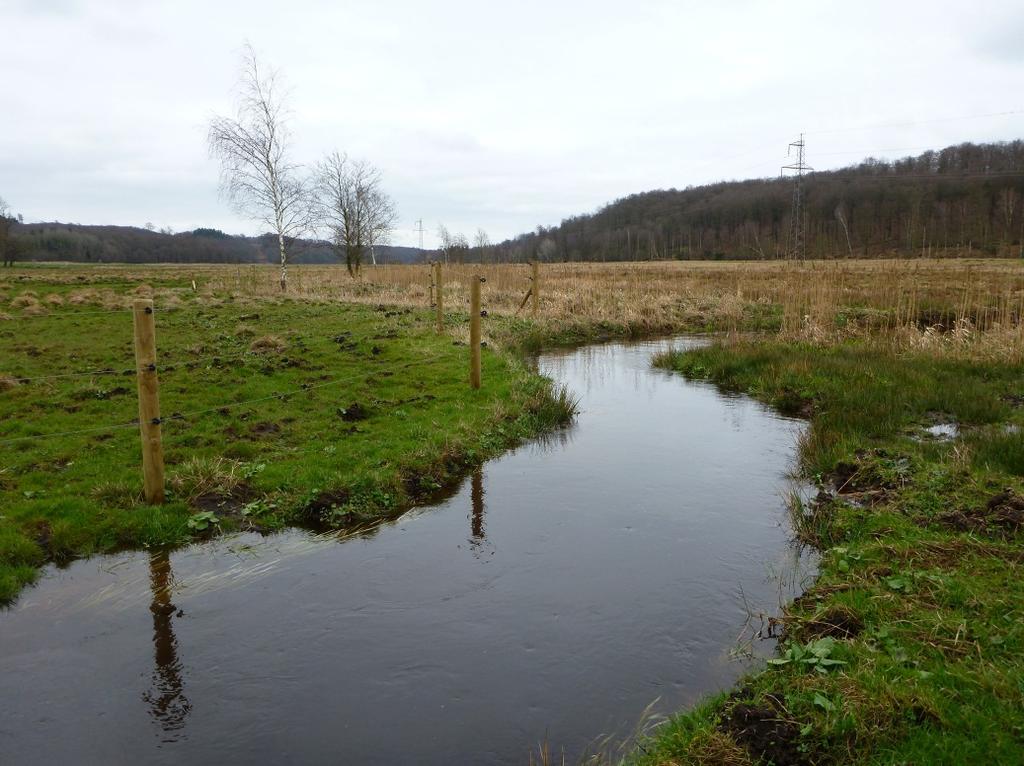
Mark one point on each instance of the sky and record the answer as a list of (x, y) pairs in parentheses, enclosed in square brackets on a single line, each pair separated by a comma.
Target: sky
[(483, 115)]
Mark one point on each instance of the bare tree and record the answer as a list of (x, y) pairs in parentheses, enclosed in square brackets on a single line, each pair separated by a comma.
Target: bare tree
[(482, 242), (352, 209), (8, 246), (444, 237), (381, 217), (460, 248), (257, 174), (547, 250), (842, 222)]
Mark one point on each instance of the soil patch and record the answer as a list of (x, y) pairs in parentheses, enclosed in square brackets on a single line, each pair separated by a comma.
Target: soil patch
[(1003, 514), (225, 503), (835, 622), (354, 412), (866, 475), (318, 509), (260, 430), (765, 734)]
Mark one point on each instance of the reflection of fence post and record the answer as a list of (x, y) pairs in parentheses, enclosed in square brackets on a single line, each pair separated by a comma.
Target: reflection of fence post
[(474, 330), (439, 295), (535, 288), (149, 401)]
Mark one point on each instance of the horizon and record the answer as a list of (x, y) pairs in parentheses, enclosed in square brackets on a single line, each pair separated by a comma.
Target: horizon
[(318, 239)]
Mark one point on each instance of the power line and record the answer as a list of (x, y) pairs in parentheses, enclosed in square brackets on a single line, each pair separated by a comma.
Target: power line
[(911, 123)]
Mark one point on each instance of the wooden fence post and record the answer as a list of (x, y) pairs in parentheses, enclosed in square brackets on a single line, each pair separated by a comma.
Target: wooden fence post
[(535, 289), (149, 401), (439, 295), (474, 330)]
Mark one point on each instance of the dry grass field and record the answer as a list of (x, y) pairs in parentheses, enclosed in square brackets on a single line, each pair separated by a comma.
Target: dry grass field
[(972, 307)]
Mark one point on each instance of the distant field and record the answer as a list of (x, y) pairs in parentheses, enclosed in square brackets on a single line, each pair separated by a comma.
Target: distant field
[(816, 300)]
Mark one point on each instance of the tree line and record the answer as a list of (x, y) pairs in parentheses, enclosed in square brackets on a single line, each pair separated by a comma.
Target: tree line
[(963, 200), (78, 243)]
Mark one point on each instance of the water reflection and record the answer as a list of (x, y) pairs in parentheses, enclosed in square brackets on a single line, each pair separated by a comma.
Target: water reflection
[(554, 441), (476, 494), (168, 705)]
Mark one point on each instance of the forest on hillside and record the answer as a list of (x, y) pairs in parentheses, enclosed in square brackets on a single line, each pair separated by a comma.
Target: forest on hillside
[(79, 243), (963, 200)]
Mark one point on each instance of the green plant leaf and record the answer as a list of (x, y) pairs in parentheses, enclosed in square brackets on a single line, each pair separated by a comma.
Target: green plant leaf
[(820, 700)]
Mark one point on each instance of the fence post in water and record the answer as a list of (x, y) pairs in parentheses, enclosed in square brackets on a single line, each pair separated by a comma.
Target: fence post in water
[(535, 288), (439, 295), (149, 401), (474, 330)]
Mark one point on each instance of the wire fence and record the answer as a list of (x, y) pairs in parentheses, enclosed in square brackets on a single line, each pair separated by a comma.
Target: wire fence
[(190, 363)]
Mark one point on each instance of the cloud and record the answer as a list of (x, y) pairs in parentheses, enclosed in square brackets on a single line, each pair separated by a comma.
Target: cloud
[(480, 115)]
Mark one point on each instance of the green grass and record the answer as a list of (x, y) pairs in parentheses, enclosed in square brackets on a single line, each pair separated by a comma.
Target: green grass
[(919, 606), (377, 413)]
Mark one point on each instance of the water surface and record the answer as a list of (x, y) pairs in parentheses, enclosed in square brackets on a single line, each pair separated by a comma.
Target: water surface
[(556, 594)]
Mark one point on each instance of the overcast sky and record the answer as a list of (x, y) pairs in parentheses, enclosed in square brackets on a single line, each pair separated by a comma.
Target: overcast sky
[(494, 115)]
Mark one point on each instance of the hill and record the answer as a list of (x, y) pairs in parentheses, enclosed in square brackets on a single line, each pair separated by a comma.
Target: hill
[(962, 200), (129, 244)]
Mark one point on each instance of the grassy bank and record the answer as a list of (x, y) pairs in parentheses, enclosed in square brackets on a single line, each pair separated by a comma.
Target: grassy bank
[(276, 412), (908, 648)]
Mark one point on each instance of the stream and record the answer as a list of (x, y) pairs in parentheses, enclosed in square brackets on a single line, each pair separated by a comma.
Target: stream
[(561, 591)]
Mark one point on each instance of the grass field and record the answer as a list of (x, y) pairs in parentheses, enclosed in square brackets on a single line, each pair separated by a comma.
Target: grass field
[(276, 412)]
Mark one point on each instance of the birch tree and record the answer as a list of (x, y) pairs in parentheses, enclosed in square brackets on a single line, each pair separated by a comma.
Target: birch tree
[(381, 217), (352, 210), (258, 175), (444, 238)]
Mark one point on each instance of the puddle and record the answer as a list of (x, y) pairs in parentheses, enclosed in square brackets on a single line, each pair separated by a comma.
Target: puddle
[(559, 592), (943, 431)]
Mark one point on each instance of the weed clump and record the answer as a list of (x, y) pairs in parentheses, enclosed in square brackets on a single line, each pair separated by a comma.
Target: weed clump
[(268, 344), (209, 477), (24, 301)]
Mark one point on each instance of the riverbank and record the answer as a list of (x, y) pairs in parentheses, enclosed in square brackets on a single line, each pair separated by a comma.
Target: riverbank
[(277, 412), (907, 649)]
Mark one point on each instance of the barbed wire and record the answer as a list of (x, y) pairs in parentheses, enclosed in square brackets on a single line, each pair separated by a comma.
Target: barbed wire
[(190, 360), (54, 435), (305, 387), (88, 373), (70, 314)]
